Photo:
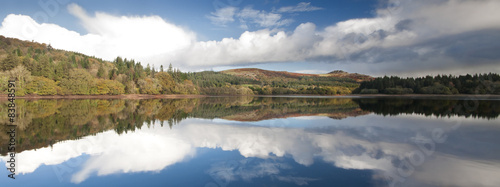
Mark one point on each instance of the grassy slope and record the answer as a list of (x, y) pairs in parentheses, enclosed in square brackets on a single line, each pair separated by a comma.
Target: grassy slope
[(259, 74)]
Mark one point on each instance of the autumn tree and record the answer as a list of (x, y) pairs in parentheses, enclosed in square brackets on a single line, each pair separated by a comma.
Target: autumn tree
[(79, 82), (43, 86), (149, 86), (100, 71), (10, 62), (166, 82), (22, 77)]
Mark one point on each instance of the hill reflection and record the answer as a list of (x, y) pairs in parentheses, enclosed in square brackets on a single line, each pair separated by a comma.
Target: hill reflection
[(42, 123)]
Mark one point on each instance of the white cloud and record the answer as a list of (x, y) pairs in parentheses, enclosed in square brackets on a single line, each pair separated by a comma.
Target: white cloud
[(161, 149), (246, 16), (348, 147), (262, 18), (223, 16), (301, 7), (408, 37), (143, 38), (252, 47), (229, 171), (25, 28), (296, 180)]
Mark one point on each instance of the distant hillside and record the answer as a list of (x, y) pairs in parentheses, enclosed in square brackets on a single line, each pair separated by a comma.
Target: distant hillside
[(39, 69), (259, 74), (282, 82), (356, 76)]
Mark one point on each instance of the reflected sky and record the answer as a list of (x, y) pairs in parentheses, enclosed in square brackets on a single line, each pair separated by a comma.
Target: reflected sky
[(367, 150)]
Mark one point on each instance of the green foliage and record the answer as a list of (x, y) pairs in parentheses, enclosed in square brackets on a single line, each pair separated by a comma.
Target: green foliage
[(369, 91), (209, 79), (398, 90), (149, 86), (80, 74), (440, 84), (61, 70), (100, 71), (20, 75), (187, 87), (43, 86), (79, 82), (437, 89), (228, 90), (166, 82), (10, 62), (430, 107), (109, 87)]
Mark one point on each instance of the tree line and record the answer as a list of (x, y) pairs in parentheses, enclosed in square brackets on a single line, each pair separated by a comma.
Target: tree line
[(441, 84), (40, 69)]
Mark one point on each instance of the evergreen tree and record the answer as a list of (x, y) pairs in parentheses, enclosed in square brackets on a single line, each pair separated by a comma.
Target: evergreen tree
[(153, 71), (100, 71), (170, 68), (10, 62), (148, 70)]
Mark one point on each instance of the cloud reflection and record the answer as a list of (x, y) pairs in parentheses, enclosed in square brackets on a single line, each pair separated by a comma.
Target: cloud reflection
[(355, 143)]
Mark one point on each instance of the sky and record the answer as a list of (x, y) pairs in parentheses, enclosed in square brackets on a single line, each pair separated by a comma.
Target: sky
[(374, 37)]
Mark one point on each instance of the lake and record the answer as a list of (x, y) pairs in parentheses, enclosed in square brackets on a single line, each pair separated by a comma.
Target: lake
[(255, 141)]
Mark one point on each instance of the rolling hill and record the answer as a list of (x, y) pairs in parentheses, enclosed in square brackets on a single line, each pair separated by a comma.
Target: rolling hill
[(259, 74), (40, 69)]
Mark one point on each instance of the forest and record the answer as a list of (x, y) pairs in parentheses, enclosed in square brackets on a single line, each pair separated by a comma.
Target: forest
[(39, 69), (440, 84)]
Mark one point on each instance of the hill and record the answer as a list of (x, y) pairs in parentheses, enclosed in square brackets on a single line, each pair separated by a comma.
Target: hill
[(282, 82), (39, 69), (259, 74)]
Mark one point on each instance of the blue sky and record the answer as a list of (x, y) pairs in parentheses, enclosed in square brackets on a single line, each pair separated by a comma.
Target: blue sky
[(193, 14), (376, 37)]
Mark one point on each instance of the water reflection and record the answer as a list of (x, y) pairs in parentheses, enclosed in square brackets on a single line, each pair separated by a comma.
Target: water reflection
[(407, 150)]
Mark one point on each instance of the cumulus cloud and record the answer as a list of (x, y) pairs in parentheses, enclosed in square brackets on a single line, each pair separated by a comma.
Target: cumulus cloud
[(301, 7), (143, 38), (403, 37)]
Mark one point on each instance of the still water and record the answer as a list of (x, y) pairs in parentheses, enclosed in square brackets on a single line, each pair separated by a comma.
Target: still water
[(255, 141)]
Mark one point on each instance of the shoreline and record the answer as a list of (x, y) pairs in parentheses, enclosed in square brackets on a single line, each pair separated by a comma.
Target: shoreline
[(124, 96), (180, 96)]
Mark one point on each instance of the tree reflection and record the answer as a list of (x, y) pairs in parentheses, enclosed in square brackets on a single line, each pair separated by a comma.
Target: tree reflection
[(42, 123), (489, 109)]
